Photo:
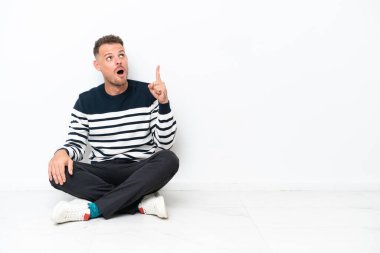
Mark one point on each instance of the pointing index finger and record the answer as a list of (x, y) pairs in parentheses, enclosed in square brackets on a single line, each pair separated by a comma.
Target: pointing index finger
[(158, 76)]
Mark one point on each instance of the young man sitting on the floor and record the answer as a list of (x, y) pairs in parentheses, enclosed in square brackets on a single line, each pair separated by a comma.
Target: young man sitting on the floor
[(130, 128)]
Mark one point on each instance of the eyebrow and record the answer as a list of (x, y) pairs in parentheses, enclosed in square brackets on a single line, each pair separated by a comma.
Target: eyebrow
[(120, 51)]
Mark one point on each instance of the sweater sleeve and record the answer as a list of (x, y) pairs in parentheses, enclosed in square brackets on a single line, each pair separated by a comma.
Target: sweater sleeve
[(163, 125), (78, 134)]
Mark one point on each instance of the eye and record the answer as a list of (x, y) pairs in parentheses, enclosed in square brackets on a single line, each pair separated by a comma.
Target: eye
[(109, 58), (121, 55)]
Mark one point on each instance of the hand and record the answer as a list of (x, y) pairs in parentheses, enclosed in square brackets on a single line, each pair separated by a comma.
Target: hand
[(158, 88), (57, 165)]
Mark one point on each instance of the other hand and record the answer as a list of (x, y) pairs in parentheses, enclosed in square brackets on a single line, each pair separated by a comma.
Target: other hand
[(57, 164)]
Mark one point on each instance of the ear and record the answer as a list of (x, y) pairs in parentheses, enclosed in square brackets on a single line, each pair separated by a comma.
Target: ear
[(96, 65)]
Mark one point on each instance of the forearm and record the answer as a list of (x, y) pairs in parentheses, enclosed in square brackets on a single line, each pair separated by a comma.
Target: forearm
[(76, 142), (165, 128)]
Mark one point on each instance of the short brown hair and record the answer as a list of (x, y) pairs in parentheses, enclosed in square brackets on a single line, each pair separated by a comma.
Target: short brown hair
[(108, 39)]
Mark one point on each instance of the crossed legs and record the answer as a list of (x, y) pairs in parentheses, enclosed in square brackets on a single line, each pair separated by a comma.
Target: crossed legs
[(118, 187)]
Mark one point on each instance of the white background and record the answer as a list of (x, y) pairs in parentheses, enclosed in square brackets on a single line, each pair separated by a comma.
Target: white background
[(267, 94)]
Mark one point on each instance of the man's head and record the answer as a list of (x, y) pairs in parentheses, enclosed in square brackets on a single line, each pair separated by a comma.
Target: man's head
[(111, 60)]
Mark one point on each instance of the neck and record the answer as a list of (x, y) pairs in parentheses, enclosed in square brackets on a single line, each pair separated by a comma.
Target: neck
[(115, 89)]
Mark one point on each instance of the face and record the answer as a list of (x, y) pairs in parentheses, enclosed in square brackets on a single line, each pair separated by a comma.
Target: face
[(113, 63)]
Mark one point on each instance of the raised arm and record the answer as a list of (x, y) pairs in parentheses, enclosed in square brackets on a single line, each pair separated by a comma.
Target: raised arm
[(164, 125)]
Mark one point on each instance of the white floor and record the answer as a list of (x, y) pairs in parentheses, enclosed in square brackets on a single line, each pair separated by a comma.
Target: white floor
[(202, 221)]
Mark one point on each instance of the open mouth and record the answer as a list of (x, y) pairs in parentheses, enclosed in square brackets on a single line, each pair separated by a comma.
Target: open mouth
[(120, 72)]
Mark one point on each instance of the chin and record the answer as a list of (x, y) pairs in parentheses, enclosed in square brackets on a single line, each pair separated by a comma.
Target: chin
[(119, 83)]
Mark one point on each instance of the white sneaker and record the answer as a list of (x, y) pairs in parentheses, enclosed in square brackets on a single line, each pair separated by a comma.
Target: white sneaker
[(75, 210), (153, 204)]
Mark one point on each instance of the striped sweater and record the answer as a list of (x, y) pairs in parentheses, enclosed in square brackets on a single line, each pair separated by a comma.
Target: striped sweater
[(129, 126)]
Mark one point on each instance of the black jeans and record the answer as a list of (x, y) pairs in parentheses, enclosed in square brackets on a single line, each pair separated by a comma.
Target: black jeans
[(117, 186)]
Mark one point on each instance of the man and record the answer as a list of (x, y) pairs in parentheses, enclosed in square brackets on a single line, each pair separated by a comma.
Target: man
[(125, 122)]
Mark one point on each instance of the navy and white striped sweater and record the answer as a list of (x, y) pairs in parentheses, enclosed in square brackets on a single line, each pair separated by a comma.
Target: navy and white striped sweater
[(129, 126)]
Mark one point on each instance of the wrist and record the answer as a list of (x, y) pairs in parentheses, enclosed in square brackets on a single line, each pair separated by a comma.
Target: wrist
[(62, 150), (164, 102)]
